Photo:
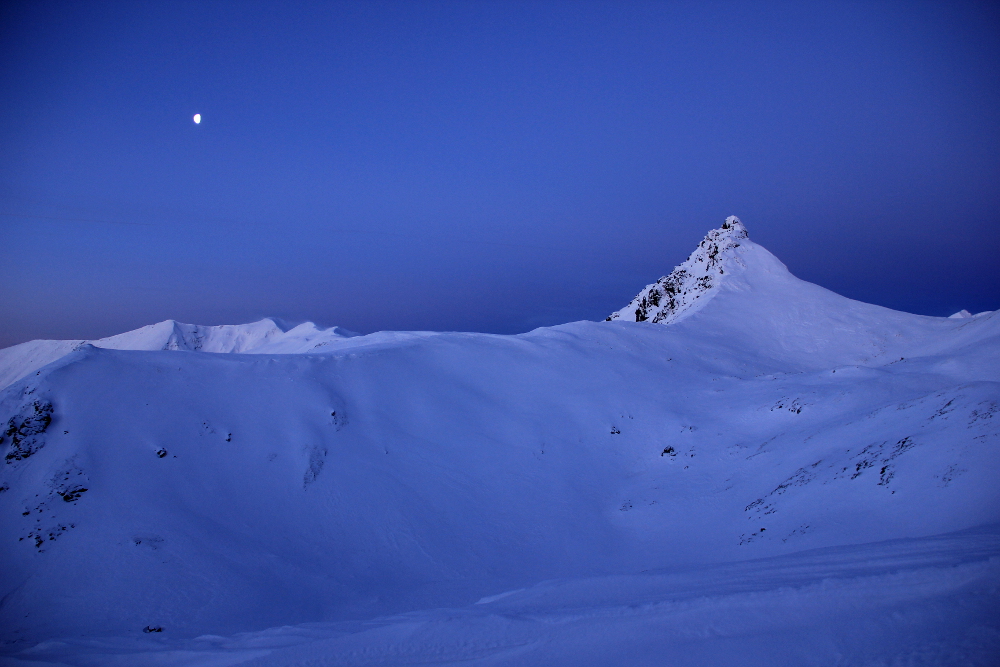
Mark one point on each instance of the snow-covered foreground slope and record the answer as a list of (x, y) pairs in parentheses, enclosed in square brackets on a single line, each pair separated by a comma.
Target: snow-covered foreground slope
[(918, 601), (629, 461)]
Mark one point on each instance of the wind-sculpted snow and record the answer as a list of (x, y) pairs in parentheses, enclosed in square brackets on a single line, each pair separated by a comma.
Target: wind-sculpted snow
[(171, 495)]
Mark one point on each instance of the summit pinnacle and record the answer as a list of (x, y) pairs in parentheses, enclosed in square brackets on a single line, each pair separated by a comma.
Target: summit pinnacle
[(690, 283)]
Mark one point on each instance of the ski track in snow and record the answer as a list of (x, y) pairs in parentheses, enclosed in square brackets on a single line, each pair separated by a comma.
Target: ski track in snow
[(897, 602), (769, 474)]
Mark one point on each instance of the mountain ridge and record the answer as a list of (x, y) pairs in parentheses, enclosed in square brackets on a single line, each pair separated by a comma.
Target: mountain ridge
[(726, 264), (383, 474), (269, 334)]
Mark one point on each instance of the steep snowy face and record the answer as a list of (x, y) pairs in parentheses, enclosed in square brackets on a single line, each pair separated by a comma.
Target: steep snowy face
[(693, 283)]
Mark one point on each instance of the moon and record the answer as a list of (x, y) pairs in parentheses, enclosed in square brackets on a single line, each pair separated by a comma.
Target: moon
[(197, 118)]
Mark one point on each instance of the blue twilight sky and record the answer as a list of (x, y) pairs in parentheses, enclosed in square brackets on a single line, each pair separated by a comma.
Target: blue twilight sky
[(487, 166)]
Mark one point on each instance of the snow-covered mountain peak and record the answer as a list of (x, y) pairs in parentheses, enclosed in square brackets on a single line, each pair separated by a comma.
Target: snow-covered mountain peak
[(691, 284), (732, 227)]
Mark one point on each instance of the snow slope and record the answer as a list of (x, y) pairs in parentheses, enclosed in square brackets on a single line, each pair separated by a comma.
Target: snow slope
[(629, 462), (914, 601)]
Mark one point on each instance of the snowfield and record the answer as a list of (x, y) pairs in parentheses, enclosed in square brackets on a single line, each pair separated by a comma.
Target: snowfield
[(738, 468)]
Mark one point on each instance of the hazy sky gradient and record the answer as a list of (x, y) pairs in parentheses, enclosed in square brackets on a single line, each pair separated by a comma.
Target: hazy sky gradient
[(490, 166)]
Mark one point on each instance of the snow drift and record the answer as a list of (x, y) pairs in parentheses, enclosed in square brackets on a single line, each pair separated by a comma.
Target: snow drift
[(308, 475)]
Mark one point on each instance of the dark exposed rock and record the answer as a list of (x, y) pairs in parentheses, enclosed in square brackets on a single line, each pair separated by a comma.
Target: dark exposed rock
[(25, 430)]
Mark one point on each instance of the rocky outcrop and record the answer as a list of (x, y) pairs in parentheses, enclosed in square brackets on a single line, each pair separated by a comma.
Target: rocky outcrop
[(691, 283)]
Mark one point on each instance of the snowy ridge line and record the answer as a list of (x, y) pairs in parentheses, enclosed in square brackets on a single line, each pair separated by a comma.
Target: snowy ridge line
[(268, 335), (725, 260)]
